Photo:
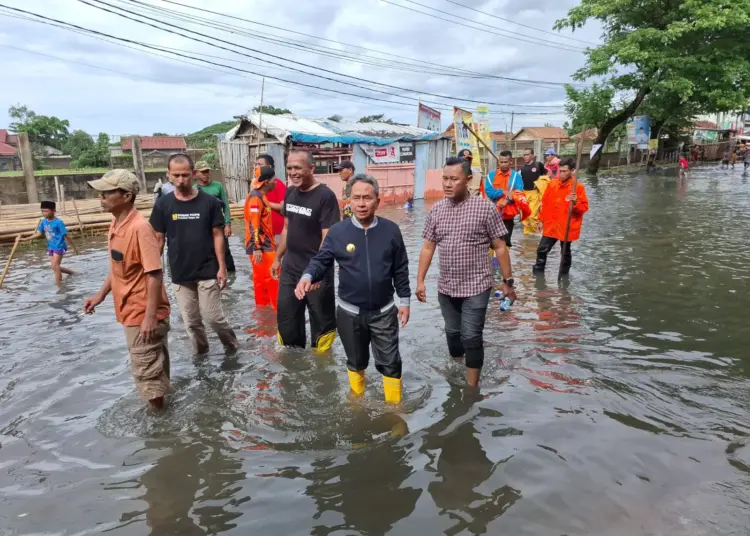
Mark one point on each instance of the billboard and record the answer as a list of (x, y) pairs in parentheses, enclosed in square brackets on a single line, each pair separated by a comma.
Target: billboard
[(464, 138), (482, 120), (639, 131), (429, 118), (384, 154), (407, 154)]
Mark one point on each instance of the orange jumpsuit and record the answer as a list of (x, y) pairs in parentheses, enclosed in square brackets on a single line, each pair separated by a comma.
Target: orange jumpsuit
[(259, 237)]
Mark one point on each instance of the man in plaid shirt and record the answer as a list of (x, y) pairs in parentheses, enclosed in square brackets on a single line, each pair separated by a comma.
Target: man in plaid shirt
[(463, 228)]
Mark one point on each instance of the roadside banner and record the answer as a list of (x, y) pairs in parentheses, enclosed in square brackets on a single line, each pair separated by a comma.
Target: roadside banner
[(464, 139), (384, 154), (429, 118), (653, 145), (639, 131), (595, 149), (482, 119)]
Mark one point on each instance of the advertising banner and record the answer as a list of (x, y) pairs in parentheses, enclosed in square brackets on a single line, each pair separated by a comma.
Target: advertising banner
[(384, 154), (482, 120), (429, 118), (639, 131), (464, 139), (407, 155)]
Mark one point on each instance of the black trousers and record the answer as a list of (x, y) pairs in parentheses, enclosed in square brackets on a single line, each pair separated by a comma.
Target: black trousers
[(509, 226), (464, 325), (380, 330), (228, 256), (545, 246), (290, 316)]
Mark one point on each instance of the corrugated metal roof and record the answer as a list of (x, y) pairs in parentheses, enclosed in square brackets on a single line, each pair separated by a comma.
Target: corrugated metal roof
[(305, 130), (155, 143)]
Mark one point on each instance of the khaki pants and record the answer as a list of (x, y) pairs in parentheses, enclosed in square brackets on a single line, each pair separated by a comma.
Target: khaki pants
[(474, 184), (200, 300), (149, 362)]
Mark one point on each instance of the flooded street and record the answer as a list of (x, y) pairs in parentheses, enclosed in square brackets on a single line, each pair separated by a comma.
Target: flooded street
[(617, 404)]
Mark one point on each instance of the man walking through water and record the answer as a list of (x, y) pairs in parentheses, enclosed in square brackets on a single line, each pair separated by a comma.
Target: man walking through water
[(275, 195), (530, 173), (346, 172), (499, 187), (310, 210), (216, 189), (372, 261), (192, 222), (260, 243), (135, 280), (551, 163), (463, 227), (554, 216)]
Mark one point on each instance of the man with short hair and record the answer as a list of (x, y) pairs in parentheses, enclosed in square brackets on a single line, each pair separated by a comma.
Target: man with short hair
[(554, 216), (346, 171), (216, 189), (275, 196), (530, 173), (372, 261), (463, 227), (499, 186), (135, 280), (193, 224), (476, 186), (310, 210)]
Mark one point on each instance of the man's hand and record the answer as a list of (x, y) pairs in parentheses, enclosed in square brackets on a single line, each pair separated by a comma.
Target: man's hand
[(502, 202), (89, 306), (508, 291), (303, 287), (421, 292), (571, 197), (275, 267), (148, 330), (221, 277), (257, 256), (403, 316), (228, 230)]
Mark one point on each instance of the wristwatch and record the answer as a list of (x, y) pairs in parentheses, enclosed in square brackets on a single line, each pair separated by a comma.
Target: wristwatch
[(509, 282)]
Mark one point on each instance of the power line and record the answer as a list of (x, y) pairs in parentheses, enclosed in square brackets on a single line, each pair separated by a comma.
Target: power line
[(494, 30), (187, 56), (348, 77), (518, 23), (267, 25)]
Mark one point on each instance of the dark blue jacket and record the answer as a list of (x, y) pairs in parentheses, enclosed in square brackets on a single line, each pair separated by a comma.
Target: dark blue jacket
[(372, 262)]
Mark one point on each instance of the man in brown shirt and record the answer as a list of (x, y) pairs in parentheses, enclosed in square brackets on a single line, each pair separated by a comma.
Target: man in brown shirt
[(463, 228), (136, 283)]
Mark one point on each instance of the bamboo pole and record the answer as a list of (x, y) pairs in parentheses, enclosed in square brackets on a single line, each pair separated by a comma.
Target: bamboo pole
[(480, 140), (563, 249), (78, 217), (10, 259)]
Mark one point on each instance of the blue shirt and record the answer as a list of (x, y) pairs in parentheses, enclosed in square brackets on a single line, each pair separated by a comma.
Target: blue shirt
[(55, 232)]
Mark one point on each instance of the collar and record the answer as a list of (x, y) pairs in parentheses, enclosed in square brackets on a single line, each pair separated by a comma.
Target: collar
[(116, 228), (358, 225)]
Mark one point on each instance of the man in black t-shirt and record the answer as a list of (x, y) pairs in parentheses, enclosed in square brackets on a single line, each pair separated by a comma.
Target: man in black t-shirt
[(530, 173), (192, 222), (310, 209)]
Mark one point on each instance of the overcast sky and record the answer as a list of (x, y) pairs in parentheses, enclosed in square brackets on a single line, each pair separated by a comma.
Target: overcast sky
[(126, 91)]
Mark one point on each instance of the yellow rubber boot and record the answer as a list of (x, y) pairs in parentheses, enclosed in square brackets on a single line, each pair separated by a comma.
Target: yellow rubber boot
[(357, 381), (392, 390)]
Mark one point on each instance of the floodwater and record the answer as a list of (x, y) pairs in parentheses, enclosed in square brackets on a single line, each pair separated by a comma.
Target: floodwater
[(615, 404)]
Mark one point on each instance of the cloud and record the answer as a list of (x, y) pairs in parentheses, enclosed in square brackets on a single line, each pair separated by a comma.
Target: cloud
[(126, 91)]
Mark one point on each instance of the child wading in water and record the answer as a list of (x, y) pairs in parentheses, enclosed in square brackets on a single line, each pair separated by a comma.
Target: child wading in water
[(57, 237)]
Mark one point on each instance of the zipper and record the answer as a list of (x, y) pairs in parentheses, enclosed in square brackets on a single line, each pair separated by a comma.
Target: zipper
[(369, 276)]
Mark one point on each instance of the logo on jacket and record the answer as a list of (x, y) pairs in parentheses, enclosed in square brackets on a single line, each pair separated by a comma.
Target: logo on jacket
[(350, 248)]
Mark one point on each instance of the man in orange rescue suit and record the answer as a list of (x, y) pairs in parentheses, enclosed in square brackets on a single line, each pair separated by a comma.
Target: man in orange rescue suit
[(554, 215), (260, 244)]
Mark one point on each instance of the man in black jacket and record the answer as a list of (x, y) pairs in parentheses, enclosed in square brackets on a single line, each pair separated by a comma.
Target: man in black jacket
[(372, 260)]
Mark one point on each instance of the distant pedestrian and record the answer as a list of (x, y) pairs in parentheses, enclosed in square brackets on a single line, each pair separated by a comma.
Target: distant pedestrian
[(192, 222), (551, 163), (260, 244), (275, 196), (499, 187), (58, 239), (373, 263), (462, 228), (346, 171), (135, 280), (217, 189), (684, 165), (310, 209), (554, 216), (725, 159), (747, 159), (476, 186)]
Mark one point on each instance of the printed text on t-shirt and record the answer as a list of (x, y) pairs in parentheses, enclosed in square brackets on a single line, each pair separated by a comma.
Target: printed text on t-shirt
[(305, 211)]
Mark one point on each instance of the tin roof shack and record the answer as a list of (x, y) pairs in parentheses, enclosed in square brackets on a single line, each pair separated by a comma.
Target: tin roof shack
[(368, 145)]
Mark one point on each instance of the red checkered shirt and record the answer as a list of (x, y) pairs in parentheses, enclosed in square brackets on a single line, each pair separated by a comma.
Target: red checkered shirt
[(463, 233)]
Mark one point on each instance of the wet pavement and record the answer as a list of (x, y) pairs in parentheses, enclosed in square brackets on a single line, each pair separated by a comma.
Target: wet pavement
[(614, 403)]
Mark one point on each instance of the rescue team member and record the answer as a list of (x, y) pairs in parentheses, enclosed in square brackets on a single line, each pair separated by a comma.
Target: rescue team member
[(346, 172), (476, 186), (530, 173), (551, 163), (260, 244), (498, 187), (193, 224), (54, 231), (135, 280), (216, 189), (310, 210), (554, 215), (372, 262), (275, 195), (463, 228)]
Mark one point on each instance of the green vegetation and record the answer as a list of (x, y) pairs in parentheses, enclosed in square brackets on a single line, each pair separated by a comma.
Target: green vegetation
[(379, 118), (272, 110)]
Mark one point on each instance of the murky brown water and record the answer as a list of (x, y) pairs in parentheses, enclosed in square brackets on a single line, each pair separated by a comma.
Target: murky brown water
[(617, 405)]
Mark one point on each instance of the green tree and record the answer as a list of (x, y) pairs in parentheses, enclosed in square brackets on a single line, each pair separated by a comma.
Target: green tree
[(95, 154), (335, 117), (272, 110), (42, 130), (160, 134), (379, 118), (686, 50)]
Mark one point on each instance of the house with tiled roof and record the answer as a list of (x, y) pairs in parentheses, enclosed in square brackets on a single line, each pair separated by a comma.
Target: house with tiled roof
[(163, 144), (9, 159), (548, 134)]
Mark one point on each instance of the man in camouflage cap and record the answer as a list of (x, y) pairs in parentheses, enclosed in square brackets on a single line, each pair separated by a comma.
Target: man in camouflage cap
[(135, 280), (215, 188)]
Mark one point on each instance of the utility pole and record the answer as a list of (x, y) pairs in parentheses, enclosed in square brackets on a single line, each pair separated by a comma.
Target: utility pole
[(138, 161), (27, 162), (260, 114)]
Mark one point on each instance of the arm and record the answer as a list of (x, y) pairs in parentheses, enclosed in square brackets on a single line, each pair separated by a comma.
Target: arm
[(89, 306), (36, 235), (276, 206), (322, 261), (225, 203), (158, 223), (160, 239), (401, 279), (72, 245), (218, 236), (425, 259), (492, 193), (581, 206), (280, 250)]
